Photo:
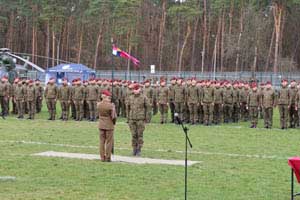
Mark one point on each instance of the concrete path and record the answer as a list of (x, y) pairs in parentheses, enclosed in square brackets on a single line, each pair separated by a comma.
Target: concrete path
[(115, 158)]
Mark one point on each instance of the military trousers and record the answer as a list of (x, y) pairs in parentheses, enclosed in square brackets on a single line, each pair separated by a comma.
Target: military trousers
[(14, 106), (235, 112), (123, 107), (293, 114), (200, 114), (193, 114), (155, 107), (253, 113), (227, 112), (268, 117), (208, 110), (38, 104), (244, 112), (179, 108), (78, 109), (283, 115), (106, 144), (163, 109), (92, 108), (31, 108), (218, 110), (137, 128), (20, 108), (65, 108), (3, 103), (172, 109), (51, 104)]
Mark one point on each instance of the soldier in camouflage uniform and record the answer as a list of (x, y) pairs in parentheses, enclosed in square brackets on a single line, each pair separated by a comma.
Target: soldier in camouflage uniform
[(200, 86), (297, 103), (208, 103), (86, 111), (163, 97), (122, 98), (283, 100), (31, 97), (92, 97), (293, 114), (72, 105), (186, 111), (268, 103), (19, 98), (236, 103), (261, 91), (138, 108), (179, 98), (253, 104), (172, 98), (15, 84), (78, 98), (228, 102), (4, 95), (218, 103), (115, 94), (193, 100), (155, 96), (149, 93), (64, 96), (244, 91), (51, 93), (39, 96)]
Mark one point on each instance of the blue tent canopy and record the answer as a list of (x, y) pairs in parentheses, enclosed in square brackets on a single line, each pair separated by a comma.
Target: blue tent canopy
[(69, 71)]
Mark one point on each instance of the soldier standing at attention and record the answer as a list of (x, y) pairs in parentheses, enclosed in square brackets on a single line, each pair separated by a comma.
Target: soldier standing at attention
[(200, 86), (19, 97), (64, 96), (123, 98), (4, 95), (218, 103), (78, 98), (92, 98), (292, 112), (149, 92), (243, 90), (208, 103), (107, 121), (15, 84), (283, 100), (39, 90), (268, 103), (192, 100), (155, 96), (261, 91), (172, 98), (298, 103), (179, 98), (73, 110), (228, 102), (51, 93), (138, 108), (253, 102), (236, 103), (163, 96), (31, 97)]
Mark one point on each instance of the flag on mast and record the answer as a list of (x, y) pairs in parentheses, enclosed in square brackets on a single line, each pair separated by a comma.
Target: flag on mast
[(120, 53)]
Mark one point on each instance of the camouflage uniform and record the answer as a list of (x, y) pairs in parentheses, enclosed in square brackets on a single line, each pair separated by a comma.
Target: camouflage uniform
[(208, 104), (171, 101), (78, 98), (138, 108), (298, 104), (31, 97), (236, 105), (200, 106), (122, 100), (19, 94), (243, 104), (179, 100), (92, 97), (149, 93), (193, 100), (293, 114), (51, 93), (228, 104), (39, 97), (218, 104), (163, 97), (283, 99), (64, 96), (4, 95), (253, 103), (155, 99), (268, 102)]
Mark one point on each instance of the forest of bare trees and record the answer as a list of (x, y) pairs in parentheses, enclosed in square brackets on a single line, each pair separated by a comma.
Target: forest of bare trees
[(182, 35)]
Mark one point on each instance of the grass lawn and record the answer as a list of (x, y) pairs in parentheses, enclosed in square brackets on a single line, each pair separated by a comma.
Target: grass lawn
[(237, 162)]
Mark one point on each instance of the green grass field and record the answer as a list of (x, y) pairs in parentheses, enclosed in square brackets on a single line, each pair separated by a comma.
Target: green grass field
[(237, 162)]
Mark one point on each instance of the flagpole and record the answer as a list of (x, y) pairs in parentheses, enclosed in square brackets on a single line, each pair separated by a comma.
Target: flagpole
[(112, 85)]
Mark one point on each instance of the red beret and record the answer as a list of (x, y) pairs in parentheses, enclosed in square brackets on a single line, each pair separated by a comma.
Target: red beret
[(106, 93), (254, 85), (268, 83), (284, 80), (30, 81), (136, 87)]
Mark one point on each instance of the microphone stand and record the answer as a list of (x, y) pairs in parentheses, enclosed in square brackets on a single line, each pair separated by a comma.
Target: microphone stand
[(187, 142)]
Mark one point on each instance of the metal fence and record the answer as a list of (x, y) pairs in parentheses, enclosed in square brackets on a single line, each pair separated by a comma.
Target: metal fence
[(142, 75)]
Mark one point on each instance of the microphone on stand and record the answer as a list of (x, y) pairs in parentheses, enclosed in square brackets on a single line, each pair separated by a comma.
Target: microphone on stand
[(177, 118)]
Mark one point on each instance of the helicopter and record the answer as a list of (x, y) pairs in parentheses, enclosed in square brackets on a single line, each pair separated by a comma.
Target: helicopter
[(9, 66)]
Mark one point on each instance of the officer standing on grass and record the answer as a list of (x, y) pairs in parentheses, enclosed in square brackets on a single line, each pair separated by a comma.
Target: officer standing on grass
[(107, 121), (253, 103), (51, 93), (283, 100)]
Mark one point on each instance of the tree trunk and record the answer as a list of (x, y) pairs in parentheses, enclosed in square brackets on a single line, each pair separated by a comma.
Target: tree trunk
[(194, 44), (277, 13), (161, 33), (237, 62), (188, 32), (53, 48), (47, 49), (222, 41), (100, 34), (178, 43), (270, 51), (80, 45), (204, 34)]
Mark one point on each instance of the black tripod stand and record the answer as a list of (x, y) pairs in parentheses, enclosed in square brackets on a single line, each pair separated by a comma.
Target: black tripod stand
[(187, 142)]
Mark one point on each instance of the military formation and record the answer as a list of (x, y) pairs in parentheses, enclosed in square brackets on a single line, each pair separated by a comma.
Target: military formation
[(203, 102)]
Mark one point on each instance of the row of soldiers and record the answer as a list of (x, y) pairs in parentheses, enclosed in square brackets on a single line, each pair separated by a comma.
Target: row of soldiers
[(196, 101)]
